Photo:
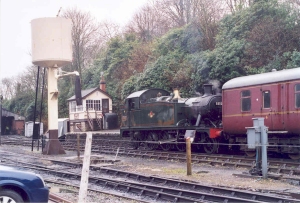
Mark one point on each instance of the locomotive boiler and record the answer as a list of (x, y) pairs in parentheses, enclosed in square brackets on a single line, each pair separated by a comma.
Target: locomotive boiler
[(157, 118)]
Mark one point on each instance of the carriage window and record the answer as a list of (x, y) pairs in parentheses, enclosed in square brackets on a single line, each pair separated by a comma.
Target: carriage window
[(245, 100), (266, 99), (297, 95)]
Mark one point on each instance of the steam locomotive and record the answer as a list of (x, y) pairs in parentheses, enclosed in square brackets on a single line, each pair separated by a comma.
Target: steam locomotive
[(160, 119)]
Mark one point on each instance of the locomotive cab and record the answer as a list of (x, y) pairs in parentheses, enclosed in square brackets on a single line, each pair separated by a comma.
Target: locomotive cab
[(140, 109)]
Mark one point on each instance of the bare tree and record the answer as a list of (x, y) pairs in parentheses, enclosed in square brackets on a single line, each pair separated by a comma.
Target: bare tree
[(270, 38), (297, 2), (179, 12), (207, 14), (85, 36), (108, 30), (237, 5), (149, 22), (24, 83), (293, 3), (8, 87), (27, 80)]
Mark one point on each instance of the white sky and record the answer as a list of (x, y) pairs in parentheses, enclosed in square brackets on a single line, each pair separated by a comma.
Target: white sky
[(16, 16)]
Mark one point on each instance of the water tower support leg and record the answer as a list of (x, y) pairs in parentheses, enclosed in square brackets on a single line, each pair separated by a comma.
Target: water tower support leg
[(53, 146)]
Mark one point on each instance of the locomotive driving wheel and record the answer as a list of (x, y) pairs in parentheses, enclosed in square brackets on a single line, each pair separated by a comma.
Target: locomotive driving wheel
[(198, 143), (165, 146), (151, 138), (211, 145), (181, 147), (136, 140)]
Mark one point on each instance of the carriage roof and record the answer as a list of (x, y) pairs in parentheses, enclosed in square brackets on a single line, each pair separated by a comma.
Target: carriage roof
[(263, 78)]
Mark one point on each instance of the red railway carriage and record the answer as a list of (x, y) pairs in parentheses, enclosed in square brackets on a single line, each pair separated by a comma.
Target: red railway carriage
[(274, 96)]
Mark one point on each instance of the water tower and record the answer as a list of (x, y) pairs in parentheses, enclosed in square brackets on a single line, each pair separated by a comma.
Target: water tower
[(52, 48)]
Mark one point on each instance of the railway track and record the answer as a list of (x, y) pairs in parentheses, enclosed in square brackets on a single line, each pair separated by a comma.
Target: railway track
[(53, 198), (285, 168), (274, 166), (148, 188)]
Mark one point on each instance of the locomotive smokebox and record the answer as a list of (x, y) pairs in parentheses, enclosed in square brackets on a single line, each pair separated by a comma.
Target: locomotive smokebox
[(206, 108)]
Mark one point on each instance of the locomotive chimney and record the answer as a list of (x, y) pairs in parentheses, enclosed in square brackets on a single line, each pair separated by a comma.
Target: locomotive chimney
[(207, 90), (102, 83)]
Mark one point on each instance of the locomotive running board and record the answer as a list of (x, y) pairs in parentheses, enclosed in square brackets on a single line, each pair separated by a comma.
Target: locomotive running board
[(167, 141)]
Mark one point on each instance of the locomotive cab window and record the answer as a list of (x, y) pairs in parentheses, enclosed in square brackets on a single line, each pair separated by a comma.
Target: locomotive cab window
[(245, 100), (266, 99), (133, 104), (297, 95)]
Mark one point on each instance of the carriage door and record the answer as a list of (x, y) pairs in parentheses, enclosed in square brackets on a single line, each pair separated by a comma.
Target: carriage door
[(267, 106), (105, 106), (283, 105), (271, 109)]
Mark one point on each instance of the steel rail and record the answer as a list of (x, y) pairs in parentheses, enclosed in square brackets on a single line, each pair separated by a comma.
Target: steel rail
[(58, 199)]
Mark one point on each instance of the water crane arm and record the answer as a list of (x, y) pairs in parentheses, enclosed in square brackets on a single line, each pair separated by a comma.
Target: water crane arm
[(64, 73), (78, 96)]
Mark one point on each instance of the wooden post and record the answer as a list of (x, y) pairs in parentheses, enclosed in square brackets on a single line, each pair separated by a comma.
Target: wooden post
[(85, 169), (78, 147), (188, 156)]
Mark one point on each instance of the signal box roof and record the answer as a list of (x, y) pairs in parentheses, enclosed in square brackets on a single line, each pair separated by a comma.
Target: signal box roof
[(85, 93), (263, 78)]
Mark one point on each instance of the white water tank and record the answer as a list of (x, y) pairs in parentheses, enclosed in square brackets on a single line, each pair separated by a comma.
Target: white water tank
[(51, 41)]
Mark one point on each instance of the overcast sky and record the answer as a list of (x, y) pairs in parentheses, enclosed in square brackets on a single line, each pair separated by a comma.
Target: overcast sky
[(16, 16)]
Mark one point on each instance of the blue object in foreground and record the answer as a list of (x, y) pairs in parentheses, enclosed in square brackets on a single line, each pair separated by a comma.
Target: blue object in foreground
[(17, 186)]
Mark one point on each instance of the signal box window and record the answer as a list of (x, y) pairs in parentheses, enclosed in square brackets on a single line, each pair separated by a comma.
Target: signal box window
[(266, 99), (246, 100), (297, 95), (97, 104), (73, 106), (89, 105)]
